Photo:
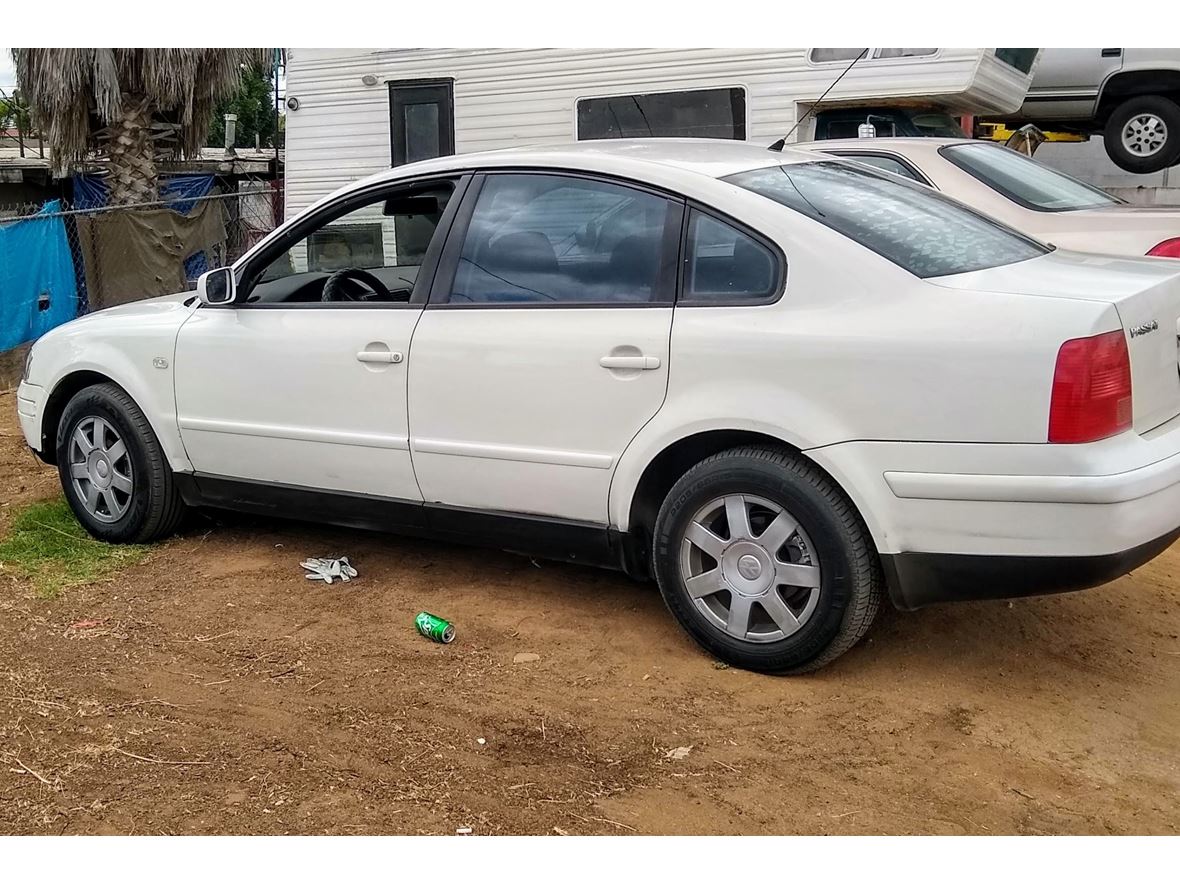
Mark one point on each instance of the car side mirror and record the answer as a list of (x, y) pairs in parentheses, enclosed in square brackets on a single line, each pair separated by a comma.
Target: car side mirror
[(217, 286)]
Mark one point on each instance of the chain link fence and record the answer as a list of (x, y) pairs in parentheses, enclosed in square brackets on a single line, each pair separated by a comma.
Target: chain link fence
[(58, 262)]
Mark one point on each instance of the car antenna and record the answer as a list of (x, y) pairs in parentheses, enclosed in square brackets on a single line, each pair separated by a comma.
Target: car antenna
[(778, 145)]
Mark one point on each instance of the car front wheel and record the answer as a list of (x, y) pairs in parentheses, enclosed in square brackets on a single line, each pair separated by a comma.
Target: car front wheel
[(765, 562), (113, 471)]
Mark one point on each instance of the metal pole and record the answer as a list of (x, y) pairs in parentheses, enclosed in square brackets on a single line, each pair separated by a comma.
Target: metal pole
[(278, 209)]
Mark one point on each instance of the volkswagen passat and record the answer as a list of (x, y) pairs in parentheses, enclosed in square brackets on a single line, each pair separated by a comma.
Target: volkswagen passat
[(780, 384)]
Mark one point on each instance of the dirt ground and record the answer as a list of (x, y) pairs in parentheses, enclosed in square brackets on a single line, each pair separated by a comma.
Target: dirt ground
[(212, 689)]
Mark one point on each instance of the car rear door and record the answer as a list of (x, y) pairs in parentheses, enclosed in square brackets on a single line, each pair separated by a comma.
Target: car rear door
[(544, 348)]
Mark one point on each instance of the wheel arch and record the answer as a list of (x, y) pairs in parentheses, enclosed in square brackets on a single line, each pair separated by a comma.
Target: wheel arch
[(674, 459), (79, 378), (1121, 85)]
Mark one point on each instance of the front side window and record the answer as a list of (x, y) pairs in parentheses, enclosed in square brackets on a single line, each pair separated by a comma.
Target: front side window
[(1024, 180), (724, 264), (911, 225), (384, 239), (552, 239), (698, 113)]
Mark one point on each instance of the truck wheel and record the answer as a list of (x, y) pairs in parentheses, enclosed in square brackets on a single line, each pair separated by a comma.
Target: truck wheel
[(765, 562), (1143, 134), (113, 470)]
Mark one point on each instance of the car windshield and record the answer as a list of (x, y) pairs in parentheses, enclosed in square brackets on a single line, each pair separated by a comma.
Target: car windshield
[(914, 227), (1024, 180), (933, 124)]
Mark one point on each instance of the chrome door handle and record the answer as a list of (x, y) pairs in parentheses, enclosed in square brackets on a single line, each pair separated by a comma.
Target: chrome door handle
[(379, 356), (630, 362)]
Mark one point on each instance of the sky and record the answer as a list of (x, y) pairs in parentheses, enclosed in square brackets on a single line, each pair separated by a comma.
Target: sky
[(7, 74)]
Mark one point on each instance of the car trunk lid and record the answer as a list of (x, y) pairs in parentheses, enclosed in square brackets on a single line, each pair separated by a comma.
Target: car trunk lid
[(1145, 294)]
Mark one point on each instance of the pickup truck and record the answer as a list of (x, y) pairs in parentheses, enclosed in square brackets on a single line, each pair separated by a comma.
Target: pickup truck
[(1130, 96)]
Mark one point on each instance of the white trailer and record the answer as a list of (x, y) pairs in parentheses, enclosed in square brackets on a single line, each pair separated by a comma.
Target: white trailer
[(354, 112)]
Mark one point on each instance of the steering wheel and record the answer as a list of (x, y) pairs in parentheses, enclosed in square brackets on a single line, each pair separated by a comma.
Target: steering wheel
[(335, 290)]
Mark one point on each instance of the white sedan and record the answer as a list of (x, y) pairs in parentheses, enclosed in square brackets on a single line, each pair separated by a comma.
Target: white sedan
[(781, 385), (1019, 191)]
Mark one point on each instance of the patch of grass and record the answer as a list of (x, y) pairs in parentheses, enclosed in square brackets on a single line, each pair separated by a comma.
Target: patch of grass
[(47, 545)]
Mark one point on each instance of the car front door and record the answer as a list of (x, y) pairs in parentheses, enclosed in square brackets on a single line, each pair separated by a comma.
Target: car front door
[(544, 348), (302, 382)]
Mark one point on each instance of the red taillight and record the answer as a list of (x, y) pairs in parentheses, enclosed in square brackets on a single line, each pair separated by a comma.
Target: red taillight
[(1166, 249), (1091, 389)]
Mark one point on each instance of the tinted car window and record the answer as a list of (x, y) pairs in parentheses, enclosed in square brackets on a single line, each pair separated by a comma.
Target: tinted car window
[(887, 163), (556, 239), (1021, 59), (911, 225), (725, 264), (1024, 180)]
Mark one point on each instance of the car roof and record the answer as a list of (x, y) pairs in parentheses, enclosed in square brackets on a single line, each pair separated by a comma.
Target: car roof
[(901, 145), (712, 157)]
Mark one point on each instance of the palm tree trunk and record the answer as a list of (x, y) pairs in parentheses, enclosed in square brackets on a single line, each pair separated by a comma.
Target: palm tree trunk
[(131, 151)]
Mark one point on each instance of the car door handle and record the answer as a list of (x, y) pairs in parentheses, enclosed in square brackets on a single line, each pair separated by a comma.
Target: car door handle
[(379, 356), (630, 362), (1111, 53)]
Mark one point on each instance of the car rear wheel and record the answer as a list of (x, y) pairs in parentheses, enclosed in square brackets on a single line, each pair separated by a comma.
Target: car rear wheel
[(1143, 134), (765, 562), (113, 471)]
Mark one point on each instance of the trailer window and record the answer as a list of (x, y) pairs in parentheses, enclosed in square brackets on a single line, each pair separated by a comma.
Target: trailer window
[(826, 56), (1021, 59), (697, 113), (911, 225), (1023, 180)]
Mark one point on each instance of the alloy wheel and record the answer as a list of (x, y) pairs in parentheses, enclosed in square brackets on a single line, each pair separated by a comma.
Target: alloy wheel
[(750, 568), (1144, 135), (100, 469)]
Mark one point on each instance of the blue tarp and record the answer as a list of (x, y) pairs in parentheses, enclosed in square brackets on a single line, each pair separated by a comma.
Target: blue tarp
[(37, 288), (91, 192)]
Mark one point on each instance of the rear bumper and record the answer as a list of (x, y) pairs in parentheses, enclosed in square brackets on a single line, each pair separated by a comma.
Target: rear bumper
[(979, 521), (919, 579)]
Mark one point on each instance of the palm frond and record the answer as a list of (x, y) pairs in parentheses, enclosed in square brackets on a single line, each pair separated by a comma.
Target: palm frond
[(76, 93)]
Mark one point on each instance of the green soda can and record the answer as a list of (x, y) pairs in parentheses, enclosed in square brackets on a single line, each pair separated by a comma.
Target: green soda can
[(434, 627)]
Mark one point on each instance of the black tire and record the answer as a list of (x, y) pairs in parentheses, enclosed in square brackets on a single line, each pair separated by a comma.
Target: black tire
[(850, 572), (155, 508), (1163, 108)]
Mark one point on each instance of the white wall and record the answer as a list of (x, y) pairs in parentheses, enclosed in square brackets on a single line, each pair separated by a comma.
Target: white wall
[(506, 97)]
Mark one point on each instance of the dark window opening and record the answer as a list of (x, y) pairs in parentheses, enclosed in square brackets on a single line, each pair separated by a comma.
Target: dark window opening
[(723, 264), (699, 113), (421, 120), (1021, 59)]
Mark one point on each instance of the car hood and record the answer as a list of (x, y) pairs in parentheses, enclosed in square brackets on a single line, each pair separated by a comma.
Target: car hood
[(141, 310)]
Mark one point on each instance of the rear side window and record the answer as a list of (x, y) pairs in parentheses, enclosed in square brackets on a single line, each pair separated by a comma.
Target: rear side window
[(724, 264), (879, 161), (1024, 180), (914, 227), (552, 239)]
